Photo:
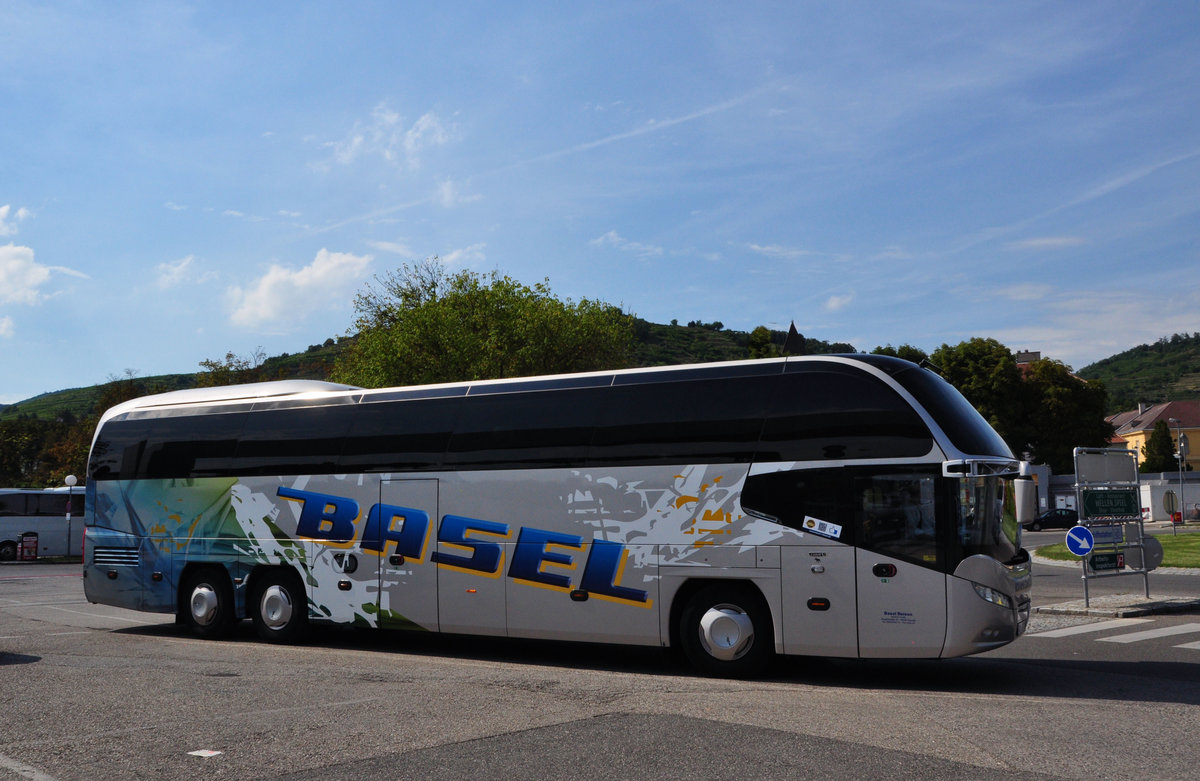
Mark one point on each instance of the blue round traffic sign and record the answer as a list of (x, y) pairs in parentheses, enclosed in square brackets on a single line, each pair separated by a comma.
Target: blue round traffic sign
[(1080, 540)]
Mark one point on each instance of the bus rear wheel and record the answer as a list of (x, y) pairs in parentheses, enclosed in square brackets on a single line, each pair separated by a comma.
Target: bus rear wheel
[(725, 631), (8, 551), (279, 607), (207, 603)]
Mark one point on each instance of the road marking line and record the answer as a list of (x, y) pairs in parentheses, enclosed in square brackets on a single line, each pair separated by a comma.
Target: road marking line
[(62, 634), (1190, 646), (1099, 626), (1150, 634), (98, 615)]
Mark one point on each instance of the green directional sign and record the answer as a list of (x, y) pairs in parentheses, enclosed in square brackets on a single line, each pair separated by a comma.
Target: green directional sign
[(1111, 504)]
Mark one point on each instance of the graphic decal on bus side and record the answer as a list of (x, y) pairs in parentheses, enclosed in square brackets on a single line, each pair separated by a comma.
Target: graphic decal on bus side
[(332, 521), (605, 532)]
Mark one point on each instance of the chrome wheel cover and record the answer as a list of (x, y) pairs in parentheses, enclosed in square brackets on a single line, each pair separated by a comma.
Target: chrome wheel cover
[(275, 607), (726, 632)]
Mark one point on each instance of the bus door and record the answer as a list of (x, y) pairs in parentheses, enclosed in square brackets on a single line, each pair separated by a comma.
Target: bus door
[(901, 585), (403, 527)]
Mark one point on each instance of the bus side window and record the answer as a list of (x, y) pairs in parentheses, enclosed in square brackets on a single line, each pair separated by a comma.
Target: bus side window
[(12, 504), (791, 497), (896, 514)]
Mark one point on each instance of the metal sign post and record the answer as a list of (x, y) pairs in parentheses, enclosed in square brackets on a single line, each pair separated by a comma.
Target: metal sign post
[(1110, 539)]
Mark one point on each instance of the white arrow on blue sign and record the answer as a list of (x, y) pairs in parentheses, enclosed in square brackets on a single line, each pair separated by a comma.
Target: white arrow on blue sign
[(1080, 541)]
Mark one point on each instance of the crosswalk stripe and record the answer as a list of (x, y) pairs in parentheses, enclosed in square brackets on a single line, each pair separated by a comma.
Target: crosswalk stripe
[(1099, 626), (1150, 634)]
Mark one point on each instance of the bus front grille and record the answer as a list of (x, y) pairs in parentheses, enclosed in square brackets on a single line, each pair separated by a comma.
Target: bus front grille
[(115, 556)]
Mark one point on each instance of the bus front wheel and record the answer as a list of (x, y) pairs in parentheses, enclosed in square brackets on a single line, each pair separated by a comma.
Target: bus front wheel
[(279, 607), (725, 631), (207, 602)]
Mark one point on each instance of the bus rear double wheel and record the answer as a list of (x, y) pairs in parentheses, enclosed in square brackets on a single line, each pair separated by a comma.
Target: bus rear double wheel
[(725, 631), (206, 602), (278, 606)]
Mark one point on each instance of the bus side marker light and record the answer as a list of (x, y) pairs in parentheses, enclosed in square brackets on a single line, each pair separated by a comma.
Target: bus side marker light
[(579, 595), (156, 577), (344, 585), (884, 570), (472, 591), (112, 574), (818, 603)]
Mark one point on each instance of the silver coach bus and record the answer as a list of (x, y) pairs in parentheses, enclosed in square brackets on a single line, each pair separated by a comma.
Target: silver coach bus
[(847, 506)]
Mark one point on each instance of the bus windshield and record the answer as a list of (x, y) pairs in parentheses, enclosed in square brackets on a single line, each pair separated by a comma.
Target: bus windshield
[(986, 521)]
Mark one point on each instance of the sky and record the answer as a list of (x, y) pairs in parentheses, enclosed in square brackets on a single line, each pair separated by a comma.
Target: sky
[(182, 180)]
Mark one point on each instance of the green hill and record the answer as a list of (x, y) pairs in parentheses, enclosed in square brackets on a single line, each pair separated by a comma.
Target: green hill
[(1168, 370)]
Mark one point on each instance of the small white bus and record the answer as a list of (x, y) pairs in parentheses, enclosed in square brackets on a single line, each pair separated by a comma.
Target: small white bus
[(55, 515)]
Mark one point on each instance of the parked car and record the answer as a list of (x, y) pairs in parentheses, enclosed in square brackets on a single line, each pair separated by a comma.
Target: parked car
[(1053, 519)]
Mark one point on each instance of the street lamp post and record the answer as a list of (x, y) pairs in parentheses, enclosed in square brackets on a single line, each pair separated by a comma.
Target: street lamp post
[(70, 480), (1180, 454)]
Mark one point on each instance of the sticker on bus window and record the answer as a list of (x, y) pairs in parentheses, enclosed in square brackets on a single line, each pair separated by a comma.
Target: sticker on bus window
[(823, 528)]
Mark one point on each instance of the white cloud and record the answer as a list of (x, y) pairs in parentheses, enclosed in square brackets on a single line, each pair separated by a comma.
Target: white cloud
[(6, 327), (1086, 326), (449, 196), (392, 247), (10, 228), (173, 274), (175, 207), (838, 303), (778, 251), (467, 256), (284, 295), (614, 239), (426, 132), (1044, 243), (1025, 292), (20, 276), (385, 136)]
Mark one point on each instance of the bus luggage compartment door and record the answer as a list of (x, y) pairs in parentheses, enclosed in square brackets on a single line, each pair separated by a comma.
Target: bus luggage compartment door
[(820, 616), (901, 608), (408, 579)]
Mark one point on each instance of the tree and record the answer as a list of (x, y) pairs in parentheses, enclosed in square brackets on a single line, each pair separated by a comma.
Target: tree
[(421, 324), (1046, 412), (905, 351), (1064, 412), (232, 370), (759, 343), (1159, 451), (986, 372)]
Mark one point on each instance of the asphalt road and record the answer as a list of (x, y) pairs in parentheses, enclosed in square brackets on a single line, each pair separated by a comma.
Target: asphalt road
[(90, 691)]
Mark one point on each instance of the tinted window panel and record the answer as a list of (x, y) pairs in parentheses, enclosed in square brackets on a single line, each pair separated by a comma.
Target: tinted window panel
[(526, 430), (791, 497), (191, 446), (400, 435), (118, 449), (897, 514), (12, 504), (286, 441), (701, 420), (823, 411), (967, 429)]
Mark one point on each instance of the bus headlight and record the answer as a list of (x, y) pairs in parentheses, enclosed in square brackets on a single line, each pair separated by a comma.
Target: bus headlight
[(992, 595)]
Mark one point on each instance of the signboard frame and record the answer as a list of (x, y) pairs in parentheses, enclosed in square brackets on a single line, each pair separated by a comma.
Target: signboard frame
[(1108, 498)]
